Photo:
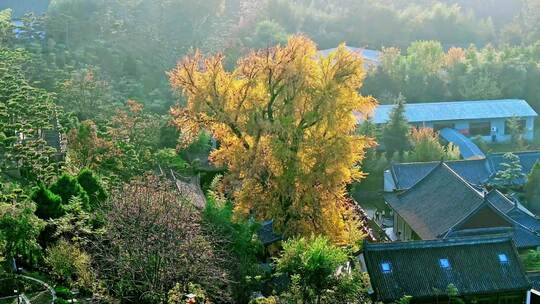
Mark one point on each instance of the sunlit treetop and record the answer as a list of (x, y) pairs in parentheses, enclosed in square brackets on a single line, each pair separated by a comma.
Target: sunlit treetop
[(284, 118)]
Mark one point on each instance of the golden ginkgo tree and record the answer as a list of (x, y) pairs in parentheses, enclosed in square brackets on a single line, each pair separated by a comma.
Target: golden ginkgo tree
[(285, 122)]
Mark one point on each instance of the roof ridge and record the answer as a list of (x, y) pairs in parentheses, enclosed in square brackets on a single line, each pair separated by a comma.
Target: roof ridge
[(514, 152), (458, 241), (416, 162), (460, 178), (496, 191), (453, 161), (422, 179), (412, 103), (513, 208), (520, 225)]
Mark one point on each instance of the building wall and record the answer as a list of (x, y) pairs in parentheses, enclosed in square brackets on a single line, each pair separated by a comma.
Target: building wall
[(529, 129), (401, 229), (500, 124)]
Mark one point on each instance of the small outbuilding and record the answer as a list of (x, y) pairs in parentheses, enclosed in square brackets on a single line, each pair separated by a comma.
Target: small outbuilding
[(485, 118)]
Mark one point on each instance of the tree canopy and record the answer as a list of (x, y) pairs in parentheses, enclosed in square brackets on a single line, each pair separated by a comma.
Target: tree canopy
[(285, 122)]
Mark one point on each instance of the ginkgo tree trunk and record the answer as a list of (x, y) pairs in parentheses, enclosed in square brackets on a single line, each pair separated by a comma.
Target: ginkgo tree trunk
[(285, 121)]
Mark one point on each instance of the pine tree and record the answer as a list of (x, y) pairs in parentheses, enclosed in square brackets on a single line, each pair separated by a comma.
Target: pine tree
[(507, 178), (67, 187), (48, 204), (93, 187), (516, 133), (395, 135), (532, 189)]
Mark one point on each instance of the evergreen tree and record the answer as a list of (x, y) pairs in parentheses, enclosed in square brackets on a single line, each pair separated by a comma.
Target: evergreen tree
[(395, 135), (369, 129), (25, 111), (48, 204), (508, 176), (516, 133), (68, 187), (532, 189), (93, 187)]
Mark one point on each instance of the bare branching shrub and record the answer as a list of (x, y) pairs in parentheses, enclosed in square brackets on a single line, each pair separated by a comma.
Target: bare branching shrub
[(153, 241)]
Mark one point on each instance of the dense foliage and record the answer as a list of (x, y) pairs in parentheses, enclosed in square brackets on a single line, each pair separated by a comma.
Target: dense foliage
[(532, 190), (286, 126), (318, 272), (425, 72), (89, 114)]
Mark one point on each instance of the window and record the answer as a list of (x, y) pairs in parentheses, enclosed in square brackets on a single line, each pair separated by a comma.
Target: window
[(522, 123), (442, 125), (480, 128), (503, 258), (444, 263), (386, 267)]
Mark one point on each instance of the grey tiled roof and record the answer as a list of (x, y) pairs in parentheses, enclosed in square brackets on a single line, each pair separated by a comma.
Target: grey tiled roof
[(534, 278), (416, 271), (526, 159), (440, 205), (436, 203), (524, 219), (267, 235), (500, 201), (476, 172), (406, 175)]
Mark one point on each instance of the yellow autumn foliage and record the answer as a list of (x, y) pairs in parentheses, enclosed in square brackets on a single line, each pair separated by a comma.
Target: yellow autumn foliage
[(285, 122)]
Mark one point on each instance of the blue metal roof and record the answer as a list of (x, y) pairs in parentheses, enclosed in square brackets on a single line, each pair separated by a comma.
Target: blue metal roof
[(527, 160), (458, 110), (467, 148), (367, 54)]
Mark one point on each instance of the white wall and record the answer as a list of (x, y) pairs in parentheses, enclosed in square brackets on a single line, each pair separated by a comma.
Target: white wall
[(499, 123)]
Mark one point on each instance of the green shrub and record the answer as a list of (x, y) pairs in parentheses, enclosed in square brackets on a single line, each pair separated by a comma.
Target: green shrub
[(48, 204), (531, 260), (310, 264), (169, 158), (62, 293), (68, 187), (69, 264), (93, 187)]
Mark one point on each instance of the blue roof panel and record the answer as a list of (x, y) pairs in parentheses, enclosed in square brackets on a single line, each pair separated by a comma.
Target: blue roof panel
[(367, 54), (467, 148), (458, 110)]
